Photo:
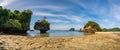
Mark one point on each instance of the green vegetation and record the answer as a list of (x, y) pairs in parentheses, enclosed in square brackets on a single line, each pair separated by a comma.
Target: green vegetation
[(13, 23), (112, 29), (42, 25), (92, 26), (14, 20)]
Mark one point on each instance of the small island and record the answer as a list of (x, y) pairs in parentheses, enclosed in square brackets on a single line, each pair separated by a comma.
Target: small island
[(42, 25)]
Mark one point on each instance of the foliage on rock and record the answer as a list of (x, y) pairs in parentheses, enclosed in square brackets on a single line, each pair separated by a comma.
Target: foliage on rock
[(42, 25), (18, 20), (92, 26), (13, 24)]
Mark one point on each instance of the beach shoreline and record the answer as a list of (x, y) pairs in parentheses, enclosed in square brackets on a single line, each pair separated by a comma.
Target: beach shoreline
[(88, 42)]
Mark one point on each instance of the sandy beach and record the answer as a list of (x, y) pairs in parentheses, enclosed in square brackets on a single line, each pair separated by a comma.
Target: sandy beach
[(89, 42)]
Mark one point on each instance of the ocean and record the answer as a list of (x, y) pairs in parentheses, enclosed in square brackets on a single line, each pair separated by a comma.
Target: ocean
[(55, 33)]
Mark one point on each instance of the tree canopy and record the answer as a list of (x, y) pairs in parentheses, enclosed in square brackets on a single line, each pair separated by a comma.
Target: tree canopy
[(13, 23), (16, 19)]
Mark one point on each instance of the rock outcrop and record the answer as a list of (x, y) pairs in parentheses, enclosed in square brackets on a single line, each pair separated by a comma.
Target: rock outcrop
[(92, 27), (42, 25), (72, 29)]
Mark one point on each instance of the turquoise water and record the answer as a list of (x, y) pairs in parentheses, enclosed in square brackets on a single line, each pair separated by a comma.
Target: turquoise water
[(55, 33)]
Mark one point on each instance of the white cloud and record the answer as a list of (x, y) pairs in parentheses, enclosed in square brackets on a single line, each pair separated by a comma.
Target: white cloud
[(6, 2), (50, 7), (69, 17), (116, 11), (105, 20), (43, 14), (58, 21), (93, 7), (75, 18)]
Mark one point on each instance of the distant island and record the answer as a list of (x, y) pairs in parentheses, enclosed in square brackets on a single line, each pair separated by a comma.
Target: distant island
[(72, 29), (111, 29)]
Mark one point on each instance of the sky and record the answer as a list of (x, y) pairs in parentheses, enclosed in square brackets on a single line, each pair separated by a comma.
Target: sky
[(66, 14)]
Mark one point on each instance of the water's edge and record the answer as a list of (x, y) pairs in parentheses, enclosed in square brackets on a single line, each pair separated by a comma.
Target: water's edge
[(55, 33)]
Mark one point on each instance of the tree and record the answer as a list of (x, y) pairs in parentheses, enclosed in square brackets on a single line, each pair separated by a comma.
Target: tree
[(4, 16), (16, 12), (25, 19), (16, 20), (92, 26), (42, 25), (13, 24)]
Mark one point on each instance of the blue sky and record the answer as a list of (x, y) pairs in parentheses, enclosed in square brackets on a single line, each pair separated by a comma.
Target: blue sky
[(65, 14)]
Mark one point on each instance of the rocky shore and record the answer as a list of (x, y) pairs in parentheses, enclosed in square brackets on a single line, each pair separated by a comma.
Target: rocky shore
[(89, 42)]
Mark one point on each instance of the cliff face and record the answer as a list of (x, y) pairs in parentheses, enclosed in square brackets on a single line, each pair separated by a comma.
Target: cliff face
[(91, 27)]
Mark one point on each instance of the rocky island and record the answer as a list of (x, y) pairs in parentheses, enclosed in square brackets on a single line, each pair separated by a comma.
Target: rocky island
[(91, 27), (72, 29), (42, 25)]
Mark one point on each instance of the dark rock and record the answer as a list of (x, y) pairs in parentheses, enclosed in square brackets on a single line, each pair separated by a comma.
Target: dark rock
[(42, 25), (72, 29)]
